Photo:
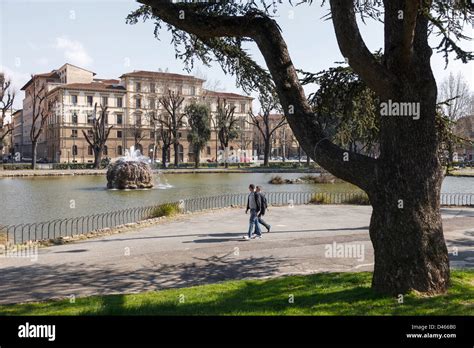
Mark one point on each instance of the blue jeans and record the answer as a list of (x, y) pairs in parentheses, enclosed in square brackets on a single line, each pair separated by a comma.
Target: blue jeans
[(254, 222)]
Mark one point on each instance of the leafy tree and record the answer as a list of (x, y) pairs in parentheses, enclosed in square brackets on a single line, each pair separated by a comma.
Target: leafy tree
[(98, 135), (346, 109), (200, 131), (404, 182)]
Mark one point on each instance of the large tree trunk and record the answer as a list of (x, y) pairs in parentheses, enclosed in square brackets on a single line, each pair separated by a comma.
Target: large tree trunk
[(34, 147), (406, 227)]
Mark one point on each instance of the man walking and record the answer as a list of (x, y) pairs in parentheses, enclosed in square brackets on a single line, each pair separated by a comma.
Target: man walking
[(263, 208), (253, 204)]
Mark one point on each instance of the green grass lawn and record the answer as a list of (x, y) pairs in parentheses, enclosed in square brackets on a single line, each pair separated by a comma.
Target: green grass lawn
[(318, 294)]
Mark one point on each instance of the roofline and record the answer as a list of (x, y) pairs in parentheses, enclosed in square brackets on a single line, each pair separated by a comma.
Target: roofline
[(189, 77), (236, 97), (93, 73), (84, 89)]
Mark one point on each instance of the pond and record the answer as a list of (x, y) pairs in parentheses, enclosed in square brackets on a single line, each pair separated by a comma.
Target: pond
[(37, 199)]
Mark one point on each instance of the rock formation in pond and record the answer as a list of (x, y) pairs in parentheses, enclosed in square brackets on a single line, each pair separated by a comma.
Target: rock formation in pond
[(130, 172)]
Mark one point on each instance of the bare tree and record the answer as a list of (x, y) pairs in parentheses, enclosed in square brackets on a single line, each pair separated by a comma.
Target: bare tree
[(137, 131), (455, 102), (264, 123), (7, 97), (171, 102), (40, 113), (98, 135), (227, 126)]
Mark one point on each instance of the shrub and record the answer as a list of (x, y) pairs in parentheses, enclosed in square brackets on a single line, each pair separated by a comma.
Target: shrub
[(62, 166), (167, 209), (358, 199), (276, 180), (16, 166), (320, 198)]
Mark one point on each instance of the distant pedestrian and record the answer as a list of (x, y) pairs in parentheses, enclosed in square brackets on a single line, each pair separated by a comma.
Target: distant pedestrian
[(263, 208), (254, 205)]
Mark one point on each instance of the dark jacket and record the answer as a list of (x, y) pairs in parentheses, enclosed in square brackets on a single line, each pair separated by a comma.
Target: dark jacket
[(257, 201), (263, 203)]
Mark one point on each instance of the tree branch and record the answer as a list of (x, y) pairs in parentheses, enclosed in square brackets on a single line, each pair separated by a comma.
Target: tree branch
[(353, 47)]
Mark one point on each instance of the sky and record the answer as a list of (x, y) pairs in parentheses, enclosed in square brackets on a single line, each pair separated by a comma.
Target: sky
[(38, 36)]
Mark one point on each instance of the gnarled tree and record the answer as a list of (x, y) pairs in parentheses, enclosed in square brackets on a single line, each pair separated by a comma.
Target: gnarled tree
[(39, 116), (98, 134), (404, 182)]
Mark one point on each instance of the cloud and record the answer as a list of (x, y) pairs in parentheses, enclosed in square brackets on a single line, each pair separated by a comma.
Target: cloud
[(74, 51)]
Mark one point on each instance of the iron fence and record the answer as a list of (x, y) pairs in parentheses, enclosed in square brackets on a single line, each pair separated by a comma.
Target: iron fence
[(37, 231)]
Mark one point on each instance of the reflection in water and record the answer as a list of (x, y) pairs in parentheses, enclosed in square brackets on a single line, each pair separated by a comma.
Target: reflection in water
[(46, 198)]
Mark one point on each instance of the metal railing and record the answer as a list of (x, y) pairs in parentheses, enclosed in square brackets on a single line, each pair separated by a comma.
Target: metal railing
[(48, 230)]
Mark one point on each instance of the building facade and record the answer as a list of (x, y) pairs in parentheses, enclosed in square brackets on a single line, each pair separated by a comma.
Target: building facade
[(71, 94)]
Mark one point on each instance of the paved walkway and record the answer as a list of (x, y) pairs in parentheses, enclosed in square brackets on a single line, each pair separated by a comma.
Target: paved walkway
[(207, 248)]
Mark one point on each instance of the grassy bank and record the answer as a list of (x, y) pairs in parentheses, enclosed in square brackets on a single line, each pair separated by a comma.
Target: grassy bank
[(318, 294)]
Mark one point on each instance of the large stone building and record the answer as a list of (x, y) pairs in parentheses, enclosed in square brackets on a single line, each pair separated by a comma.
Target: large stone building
[(70, 94)]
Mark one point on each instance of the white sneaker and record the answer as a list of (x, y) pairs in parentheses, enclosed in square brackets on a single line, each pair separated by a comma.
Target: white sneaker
[(258, 237), (246, 237)]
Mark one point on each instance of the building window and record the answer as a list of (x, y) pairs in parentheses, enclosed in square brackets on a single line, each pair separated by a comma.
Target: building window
[(74, 118), (105, 101), (74, 133), (119, 134), (90, 100), (152, 87), (138, 103), (105, 151), (193, 90), (74, 99), (179, 134), (242, 107), (90, 118), (152, 135), (138, 86), (138, 120), (106, 118), (89, 150), (119, 102), (152, 103), (74, 150), (119, 150), (90, 132), (208, 150), (119, 119)]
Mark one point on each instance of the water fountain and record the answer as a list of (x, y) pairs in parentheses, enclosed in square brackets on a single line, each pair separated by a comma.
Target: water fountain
[(130, 172)]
